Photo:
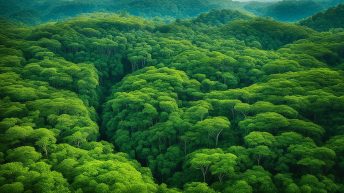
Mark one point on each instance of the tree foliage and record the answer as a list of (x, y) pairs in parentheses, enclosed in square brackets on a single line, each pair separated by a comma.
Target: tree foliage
[(220, 103)]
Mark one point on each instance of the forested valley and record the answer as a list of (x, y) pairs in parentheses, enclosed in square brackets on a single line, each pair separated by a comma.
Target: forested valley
[(224, 101)]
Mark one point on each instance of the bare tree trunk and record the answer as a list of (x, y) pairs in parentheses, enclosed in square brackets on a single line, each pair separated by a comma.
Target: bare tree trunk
[(217, 137), (204, 172)]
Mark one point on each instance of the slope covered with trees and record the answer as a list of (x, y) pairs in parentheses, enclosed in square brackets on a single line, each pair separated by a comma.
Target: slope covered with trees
[(26, 11), (290, 10), (331, 18), (225, 102), (36, 12)]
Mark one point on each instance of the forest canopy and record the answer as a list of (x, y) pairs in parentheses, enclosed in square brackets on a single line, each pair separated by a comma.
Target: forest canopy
[(40, 11), (222, 102)]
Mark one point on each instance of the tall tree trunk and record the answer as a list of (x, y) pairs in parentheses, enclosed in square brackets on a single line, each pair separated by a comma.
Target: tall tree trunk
[(217, 137), (204, 172)]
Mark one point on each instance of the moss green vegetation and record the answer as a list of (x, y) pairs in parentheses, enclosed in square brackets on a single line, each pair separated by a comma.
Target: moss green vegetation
[(225, 102)]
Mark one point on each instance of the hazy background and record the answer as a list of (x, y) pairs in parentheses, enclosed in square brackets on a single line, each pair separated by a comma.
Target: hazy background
[(35, 12)]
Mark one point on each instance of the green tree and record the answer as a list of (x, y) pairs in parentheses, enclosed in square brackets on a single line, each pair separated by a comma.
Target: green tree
[(223, 165)]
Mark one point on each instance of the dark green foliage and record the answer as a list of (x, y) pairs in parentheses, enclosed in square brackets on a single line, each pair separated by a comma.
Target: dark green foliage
[(217, 17), (331, 18), (263, 33), (34, 12), (27, 11), (289, 10), (221, 103)]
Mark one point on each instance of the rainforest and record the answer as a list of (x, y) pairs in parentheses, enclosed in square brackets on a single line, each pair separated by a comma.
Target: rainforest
[(171, 96)]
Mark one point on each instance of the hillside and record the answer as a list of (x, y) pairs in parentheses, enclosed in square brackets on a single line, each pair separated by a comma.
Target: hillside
[(264, 33), (331, 18), (290, 10), (224, 102), (223, 16), (26, 11)]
